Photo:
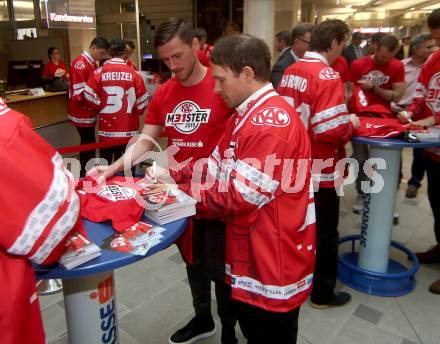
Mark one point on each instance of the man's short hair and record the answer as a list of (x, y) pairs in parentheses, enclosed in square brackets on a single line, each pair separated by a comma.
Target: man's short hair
[(100, 43), (357, 35), (377, 37), (301, 29), (171, 28), (326, 32), (390, 42), (117, 47), (237, 51), (284, 36), (418, 40), (130, 43), (200, 33), (434, 19)]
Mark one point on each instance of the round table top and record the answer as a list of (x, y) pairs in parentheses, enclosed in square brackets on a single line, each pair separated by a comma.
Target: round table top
[(393, 142), (110, 260)]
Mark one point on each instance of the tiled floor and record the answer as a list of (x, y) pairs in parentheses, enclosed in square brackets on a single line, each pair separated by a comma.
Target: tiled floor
[(154, 298)]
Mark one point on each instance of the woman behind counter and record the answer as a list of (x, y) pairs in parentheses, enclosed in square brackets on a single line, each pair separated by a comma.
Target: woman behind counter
[(55, 68)]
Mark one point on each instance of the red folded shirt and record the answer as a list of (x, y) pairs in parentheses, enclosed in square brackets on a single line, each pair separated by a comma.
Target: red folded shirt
[(119, 200), (380, 127)]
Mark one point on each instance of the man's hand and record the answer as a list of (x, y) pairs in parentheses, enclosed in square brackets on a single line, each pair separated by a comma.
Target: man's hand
[(423, 123), (355, 120), (404, 116), (160, 187), (366, 85), (159, 174), (101, 173)]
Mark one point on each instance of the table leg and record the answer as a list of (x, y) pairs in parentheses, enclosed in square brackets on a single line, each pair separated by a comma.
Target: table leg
[(377, 219), (90, 304), (50, 286)]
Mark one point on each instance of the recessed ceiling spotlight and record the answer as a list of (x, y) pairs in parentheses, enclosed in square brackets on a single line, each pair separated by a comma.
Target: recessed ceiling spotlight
[(412, 8)]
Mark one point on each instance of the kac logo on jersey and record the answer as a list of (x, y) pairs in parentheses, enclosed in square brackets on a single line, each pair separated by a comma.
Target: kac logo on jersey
[(187, 117), (376, 77), (433, 97), (328, 74), (116, 193), (80, 65), (272, 116)]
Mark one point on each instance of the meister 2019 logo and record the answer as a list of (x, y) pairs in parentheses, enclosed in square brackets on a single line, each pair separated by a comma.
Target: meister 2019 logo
[(187, 117)]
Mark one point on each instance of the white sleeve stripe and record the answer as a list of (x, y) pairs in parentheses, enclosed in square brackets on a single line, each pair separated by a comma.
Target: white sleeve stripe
[(44, 212), (79, 85), (213, 169), (142, 105), (290, 100), (78, 91), (92, 99), (310, 217), (257, 177), (326, 177), (143, 98), (328, 113), (250, 195), (334, 123), (59, 231), (216, 154), (81, 120)]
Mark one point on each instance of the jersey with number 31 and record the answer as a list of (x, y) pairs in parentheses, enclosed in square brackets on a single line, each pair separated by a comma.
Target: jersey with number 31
[(118, 94)]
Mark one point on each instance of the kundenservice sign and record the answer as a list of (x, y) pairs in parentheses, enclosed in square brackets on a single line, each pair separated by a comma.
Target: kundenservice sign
[(74, 14)]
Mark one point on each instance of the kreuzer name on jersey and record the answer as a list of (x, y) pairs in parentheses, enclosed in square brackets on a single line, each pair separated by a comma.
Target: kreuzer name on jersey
[(117, 76), (294, 81)]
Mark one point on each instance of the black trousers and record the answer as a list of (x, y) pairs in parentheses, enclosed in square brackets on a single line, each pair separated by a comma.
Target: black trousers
[(260, 326), (112, 153), (417, 167), (327, 239), (87, 135), (209, 245), (433, 174)]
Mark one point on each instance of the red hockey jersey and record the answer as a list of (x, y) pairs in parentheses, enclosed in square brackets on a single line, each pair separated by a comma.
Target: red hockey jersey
[(117, 94), (131, 64), (317, 93), (81, 69), (39, 208), (119, 200), (384, 76), (340, 65), (380, 127), (259, 184), (426, 101)]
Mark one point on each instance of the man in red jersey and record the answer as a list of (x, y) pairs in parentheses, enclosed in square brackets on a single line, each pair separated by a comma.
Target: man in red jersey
[(130, 47), (426, 105), (378, 80), (261, 185), (39, 208), (340, 65), (79, 113), (193, 117), (117, 94), (316, 91)]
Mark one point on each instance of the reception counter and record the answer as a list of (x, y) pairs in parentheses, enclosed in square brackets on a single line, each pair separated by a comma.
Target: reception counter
[(48, 109)]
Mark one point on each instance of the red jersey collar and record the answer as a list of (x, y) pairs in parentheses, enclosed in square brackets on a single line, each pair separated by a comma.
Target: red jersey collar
[(88, 57), (241, 109)]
